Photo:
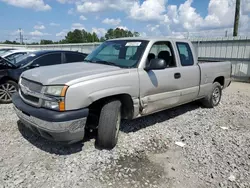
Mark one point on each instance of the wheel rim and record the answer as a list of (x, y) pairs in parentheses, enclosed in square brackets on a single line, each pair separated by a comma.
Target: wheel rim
[(216, 96), (117, 127), (6, 91)]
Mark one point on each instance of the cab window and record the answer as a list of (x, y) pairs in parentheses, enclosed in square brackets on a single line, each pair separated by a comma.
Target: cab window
[(185, 53), (163, 50)]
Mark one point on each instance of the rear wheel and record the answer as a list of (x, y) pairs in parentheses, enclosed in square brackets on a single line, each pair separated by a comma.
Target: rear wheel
[(109, 124), (214, 97), (7, 89)]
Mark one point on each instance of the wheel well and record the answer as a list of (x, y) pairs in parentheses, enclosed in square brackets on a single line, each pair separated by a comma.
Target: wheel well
[(220, 80), (6, 78), (127, 107)]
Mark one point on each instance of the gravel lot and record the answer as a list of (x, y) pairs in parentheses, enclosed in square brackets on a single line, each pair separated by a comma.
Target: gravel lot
[(216, 151)]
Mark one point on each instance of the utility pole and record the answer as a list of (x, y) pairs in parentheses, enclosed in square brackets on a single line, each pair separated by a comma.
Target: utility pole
[(236, 18), (20, 35)]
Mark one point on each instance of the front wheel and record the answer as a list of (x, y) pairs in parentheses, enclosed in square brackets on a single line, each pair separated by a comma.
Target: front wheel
[(7, 89), (214, 97), (109, 124)]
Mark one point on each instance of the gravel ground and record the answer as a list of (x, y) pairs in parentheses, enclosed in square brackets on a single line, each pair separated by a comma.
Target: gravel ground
[(216, 151)]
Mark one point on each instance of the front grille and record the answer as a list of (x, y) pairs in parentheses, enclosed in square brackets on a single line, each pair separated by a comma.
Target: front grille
[(30, 92), (30, 98), (33, 86)]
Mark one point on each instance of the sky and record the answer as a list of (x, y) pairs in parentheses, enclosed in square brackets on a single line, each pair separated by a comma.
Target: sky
[(52, 19)]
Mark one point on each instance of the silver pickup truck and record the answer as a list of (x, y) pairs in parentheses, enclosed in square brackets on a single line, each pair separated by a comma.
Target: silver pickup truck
[(121, 79)]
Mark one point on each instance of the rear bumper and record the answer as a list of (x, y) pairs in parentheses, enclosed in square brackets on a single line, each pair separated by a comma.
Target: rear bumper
[(66, 126)]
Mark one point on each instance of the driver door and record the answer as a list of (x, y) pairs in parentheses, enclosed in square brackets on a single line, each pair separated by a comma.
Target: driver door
[(160, 89)]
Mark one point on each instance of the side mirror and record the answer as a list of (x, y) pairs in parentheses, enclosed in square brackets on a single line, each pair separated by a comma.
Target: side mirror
[(34, 66), (156, 64)]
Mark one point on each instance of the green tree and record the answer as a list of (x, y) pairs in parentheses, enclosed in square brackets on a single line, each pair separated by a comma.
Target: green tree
[(46, 42), (10, 42), (102, 39), (74, 36), (63, 41), (34, 43), (89, 37), (109, 34), (85, 36), (95, 37), (118, 33), (136, 34), (82, 36)]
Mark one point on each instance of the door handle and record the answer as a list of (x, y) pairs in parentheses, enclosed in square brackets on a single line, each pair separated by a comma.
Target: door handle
[(177, 75)]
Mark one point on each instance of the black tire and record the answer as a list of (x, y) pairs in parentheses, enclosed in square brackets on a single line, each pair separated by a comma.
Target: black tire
[(7, 89), (214, 97), (109, 125)]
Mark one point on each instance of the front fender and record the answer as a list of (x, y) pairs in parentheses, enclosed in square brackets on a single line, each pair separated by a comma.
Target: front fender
[(83, 94), (3, 74), (108, 92)]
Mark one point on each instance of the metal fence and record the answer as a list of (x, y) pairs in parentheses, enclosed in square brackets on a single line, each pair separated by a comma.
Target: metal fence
[(236, 50)]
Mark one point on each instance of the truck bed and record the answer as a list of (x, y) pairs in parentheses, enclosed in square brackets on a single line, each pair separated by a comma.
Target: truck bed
[(211, 70)]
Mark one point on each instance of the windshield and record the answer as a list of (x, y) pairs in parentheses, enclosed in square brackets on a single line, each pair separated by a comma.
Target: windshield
[(13, 58), (24, 59), (4, 62), (121, 53), (3, 52)]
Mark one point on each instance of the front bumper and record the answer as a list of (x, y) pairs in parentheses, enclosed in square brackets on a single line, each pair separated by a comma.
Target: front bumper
[(66, 126)]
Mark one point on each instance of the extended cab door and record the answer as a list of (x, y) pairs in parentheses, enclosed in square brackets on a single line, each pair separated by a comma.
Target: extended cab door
[(190, 72), (161, 89), (175, 85)]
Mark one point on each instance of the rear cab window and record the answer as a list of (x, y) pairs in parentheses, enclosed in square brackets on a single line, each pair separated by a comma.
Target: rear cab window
[(185, 53)]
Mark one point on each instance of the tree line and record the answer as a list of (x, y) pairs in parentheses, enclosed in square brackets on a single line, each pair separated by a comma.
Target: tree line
[(82, 36)]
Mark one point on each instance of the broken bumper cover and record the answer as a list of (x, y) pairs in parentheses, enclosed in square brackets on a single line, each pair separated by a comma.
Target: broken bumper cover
[(66, 126)]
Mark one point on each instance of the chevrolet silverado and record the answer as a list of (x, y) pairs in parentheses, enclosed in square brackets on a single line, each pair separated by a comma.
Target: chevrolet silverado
[(123, 78)]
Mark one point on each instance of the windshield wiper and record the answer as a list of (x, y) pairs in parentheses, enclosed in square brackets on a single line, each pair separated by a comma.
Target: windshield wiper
[(88, 61), (109, 63), (106, 63)]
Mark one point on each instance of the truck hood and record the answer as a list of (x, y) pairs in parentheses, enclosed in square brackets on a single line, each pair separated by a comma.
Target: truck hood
[(71, 73)]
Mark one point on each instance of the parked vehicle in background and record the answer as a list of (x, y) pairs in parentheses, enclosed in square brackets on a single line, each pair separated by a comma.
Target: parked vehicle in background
[(10, 71), (4, 50), (122, 79), (12, 55)]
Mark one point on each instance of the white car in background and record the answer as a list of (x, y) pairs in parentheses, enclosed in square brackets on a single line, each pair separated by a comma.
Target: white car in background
[(4, 50), (12, 55)]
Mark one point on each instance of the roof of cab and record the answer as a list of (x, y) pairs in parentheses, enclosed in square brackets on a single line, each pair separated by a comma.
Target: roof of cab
[(151, 39)]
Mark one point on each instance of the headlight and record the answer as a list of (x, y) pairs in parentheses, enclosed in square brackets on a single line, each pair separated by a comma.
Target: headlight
[(54, 90), (55, 97)]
